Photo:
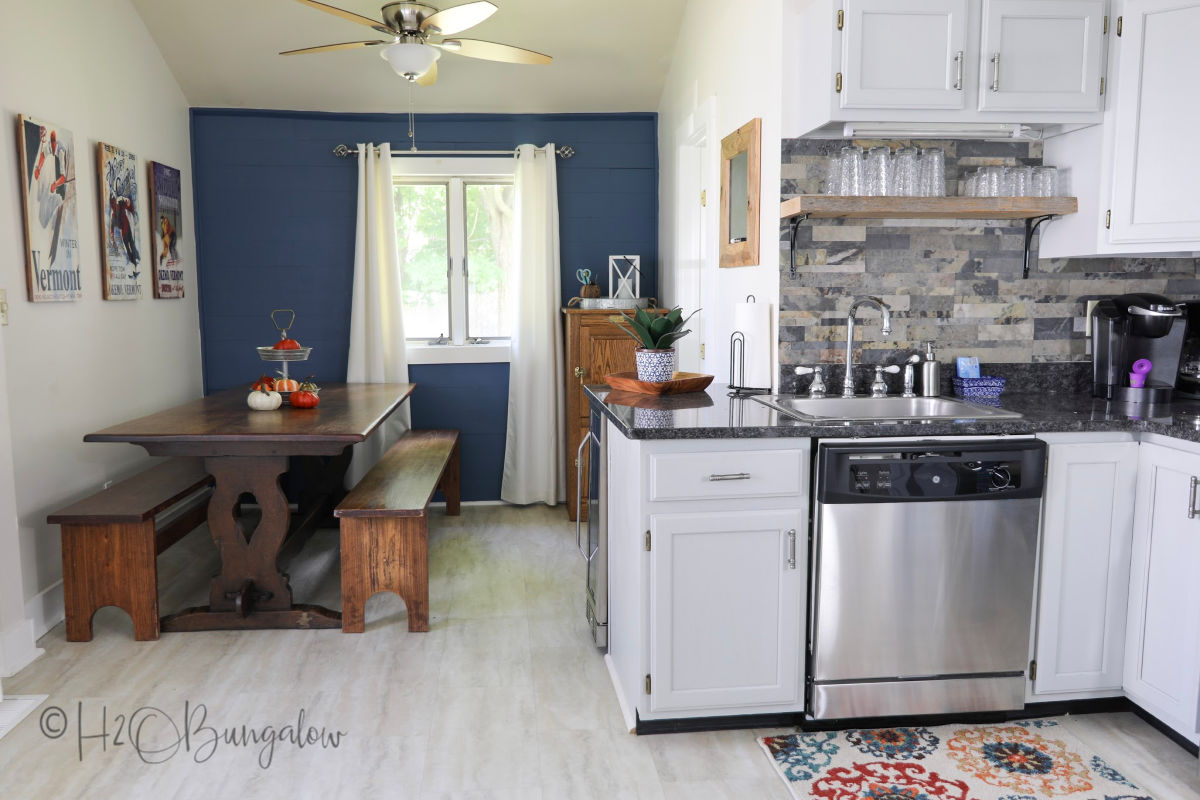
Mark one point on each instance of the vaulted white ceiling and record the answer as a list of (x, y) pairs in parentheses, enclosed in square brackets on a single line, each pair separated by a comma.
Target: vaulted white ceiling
[(608, 56)]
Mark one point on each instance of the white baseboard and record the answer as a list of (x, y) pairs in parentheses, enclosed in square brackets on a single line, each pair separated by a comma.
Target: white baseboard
[(18, 648), (46, 609)]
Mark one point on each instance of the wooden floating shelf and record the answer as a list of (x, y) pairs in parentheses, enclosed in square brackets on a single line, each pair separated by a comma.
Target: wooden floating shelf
[(827, 206)]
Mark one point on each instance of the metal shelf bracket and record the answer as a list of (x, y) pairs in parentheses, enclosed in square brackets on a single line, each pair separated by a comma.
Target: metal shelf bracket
[(1031, 227), (792, 252)]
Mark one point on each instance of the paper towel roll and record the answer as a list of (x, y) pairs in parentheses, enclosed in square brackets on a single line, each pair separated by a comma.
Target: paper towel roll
[(754, 321)]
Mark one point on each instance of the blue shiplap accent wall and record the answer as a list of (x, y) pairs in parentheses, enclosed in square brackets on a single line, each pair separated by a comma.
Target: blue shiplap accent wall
[(275, 229)]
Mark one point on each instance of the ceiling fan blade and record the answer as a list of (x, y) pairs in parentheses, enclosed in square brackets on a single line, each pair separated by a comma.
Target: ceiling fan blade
[(325, 48), (350, 15), (430, 76), (459, 18), (493, 51)]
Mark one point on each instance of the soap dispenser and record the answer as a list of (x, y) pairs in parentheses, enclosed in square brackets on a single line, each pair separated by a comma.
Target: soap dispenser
[(931, 374)]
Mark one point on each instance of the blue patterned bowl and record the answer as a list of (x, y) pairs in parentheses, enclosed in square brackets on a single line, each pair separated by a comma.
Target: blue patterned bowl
[(985, 387)]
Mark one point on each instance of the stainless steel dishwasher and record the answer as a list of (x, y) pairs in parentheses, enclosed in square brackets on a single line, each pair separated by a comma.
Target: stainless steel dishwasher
[(923, 570)]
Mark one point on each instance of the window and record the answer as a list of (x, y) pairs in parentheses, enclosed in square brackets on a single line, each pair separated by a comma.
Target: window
[(454, 237)]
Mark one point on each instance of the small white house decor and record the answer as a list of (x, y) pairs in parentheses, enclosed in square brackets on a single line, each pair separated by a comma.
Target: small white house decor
[(625, 277)]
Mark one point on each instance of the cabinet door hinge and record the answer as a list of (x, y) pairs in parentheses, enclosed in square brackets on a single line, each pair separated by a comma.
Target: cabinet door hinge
[(1033, 670), (702, 351), (1102, 86), (647, 683), (837, 83), (1108, 219), (1105, 25), (841, 19), (704, 197), (647, 541), (1120, 24)]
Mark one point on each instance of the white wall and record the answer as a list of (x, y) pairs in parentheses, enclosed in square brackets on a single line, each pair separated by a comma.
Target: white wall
[(89, 66), (731, 55)]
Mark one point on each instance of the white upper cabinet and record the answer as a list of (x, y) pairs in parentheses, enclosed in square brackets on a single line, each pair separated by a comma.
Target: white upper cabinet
[(877, 65), (1157, 168), (1044, 55), (904, 54), (1136, 175)]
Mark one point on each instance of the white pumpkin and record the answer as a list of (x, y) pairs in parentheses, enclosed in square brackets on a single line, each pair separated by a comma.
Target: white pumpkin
[(262, 400)]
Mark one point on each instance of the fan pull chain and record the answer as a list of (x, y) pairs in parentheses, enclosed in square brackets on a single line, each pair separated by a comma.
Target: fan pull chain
[(412, 123)]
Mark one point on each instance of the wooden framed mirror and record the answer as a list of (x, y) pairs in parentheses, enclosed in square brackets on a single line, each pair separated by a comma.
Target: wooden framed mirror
[(740, 167)]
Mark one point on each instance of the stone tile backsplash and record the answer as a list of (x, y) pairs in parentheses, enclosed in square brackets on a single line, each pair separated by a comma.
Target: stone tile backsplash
[(956, 282)]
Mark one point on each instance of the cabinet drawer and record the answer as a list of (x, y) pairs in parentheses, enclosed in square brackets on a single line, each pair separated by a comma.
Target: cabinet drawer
[(700, 476)]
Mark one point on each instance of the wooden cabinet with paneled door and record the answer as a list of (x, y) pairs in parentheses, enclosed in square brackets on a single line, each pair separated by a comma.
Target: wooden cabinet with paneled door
[(596, 346)]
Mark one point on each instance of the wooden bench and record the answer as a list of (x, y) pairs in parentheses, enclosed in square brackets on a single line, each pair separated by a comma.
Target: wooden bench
[(384, 529), (110, 543)]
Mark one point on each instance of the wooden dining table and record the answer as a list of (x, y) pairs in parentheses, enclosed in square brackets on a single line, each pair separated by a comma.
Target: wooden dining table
[(246, 452)]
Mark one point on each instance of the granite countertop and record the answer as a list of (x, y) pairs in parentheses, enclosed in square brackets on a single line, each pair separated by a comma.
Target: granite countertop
[(712, 414)]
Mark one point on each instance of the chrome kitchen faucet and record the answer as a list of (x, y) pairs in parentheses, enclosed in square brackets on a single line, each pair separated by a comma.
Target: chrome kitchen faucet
[(885, 309)]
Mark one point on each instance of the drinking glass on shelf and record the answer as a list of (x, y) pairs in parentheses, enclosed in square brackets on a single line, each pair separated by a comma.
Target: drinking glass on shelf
[(971, 183), (1020, 181), (850, 181), (1045, 181), (831, 182), (991, 181), (931, 173), (904, 173), (879, 168)]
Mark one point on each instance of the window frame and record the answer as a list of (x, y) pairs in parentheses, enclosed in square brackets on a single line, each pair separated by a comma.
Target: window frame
[(455, 173)]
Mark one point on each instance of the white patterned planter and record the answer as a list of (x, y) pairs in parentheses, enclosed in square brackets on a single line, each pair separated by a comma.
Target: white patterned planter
[(655, 366)]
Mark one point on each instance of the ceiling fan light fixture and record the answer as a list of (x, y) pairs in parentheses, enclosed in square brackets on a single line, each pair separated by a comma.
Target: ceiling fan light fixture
[(410, 60)]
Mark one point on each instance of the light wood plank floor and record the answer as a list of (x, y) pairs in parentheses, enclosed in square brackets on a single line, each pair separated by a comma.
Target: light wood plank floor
[(505, 696)]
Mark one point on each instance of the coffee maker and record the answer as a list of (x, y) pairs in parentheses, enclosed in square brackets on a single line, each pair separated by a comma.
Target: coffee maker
[(1188, 384), (1137, 340)]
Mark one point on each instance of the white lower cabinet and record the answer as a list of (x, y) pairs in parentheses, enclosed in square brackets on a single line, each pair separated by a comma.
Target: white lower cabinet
[(707, 593), (1087, 535), (1162, 662), (727, 589)]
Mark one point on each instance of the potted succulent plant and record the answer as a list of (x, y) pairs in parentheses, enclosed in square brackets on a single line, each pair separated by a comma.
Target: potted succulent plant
[(656, 335)]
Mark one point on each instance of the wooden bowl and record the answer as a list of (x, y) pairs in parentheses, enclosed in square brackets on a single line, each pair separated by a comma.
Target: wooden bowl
[(680, 383)]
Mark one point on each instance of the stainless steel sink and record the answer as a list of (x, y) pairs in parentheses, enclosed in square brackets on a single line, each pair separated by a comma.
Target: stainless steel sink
[(875, 409)]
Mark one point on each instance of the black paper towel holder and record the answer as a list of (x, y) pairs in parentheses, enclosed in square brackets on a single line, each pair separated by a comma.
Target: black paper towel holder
[(737, 363)]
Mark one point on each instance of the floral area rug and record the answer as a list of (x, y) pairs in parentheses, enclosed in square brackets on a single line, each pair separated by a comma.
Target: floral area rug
[(1026, 760)]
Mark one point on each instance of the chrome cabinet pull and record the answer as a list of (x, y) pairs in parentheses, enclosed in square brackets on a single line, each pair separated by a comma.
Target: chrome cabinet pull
[(1192, 512), (792, 548), (579, 496), (995, 72), (958, 70), (730, 476)]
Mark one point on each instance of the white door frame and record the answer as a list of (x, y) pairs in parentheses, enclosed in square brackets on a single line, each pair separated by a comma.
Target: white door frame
[(697, 176)]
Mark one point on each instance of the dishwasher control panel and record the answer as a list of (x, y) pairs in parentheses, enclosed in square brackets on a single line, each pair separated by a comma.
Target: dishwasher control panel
[(938, 471)]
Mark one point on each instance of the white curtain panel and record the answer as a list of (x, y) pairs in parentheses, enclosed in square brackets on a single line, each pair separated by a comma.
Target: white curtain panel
[(376, 323), (533, 454)]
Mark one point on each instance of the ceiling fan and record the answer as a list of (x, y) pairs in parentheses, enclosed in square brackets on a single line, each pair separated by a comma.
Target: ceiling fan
[(409, 49)]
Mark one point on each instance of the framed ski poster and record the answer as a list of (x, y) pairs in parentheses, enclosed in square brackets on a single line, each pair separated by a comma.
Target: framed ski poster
[(166, 228), (119, 215), (52, 255)]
